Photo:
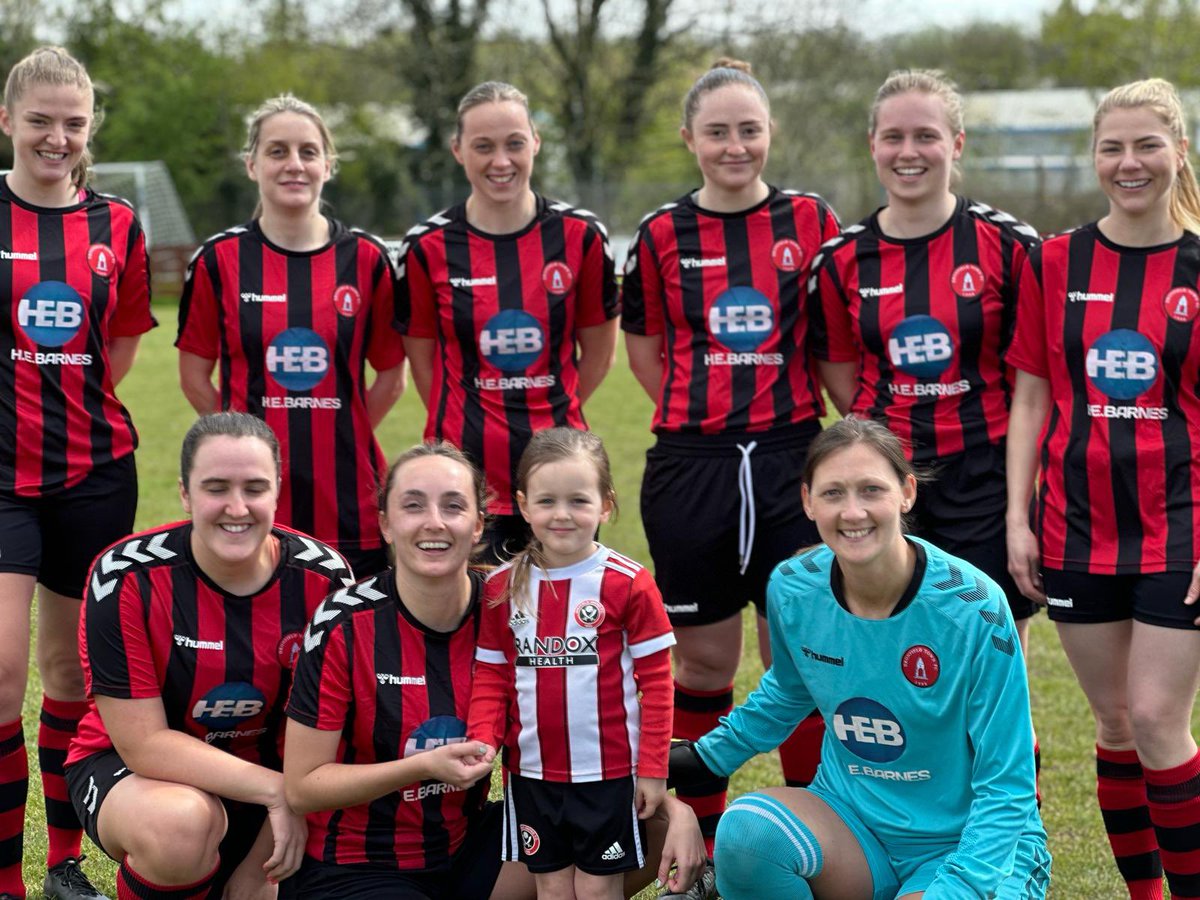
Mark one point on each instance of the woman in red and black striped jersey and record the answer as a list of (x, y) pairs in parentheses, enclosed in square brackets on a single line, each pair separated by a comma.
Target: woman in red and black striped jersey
[(293, 305), (188, 637), (914, 311), (508, 304), (1107, 350), (377, 750), (74, 276), (715, 323)]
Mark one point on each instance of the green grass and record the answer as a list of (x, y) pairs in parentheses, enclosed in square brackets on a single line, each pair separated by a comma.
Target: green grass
[(621, 413)]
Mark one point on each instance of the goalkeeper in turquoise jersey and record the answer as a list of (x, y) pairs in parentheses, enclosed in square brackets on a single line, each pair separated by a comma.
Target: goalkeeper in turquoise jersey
[(926, 784)]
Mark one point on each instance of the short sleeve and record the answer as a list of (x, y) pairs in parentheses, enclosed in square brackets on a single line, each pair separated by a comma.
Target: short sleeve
[(641, 287), (831, 329), (116, 638), (596, 297), (416, 296), (198, 319), (321, 691), (133, 315), (1028, 349), (384, 349)]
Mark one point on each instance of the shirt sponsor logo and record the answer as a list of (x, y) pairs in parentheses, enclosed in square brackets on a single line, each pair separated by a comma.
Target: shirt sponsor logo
[(290, 402), (231, 733), (556, 652), (1089, 297), (871, 293), (16, 256), (50, 313), (512, 340), (920, 665), (822, 658), (1181, 304), (435, 732), (692, 262), (557, 277), (921, 346), (387, 678), (432, 789), (101, 260), (229, 702), (869, 730), (742, 319), (489, 281), (930, 389), (1063, 602), (889, 774), (182, 640), (787, 255), (297, 359), (251, 297), (50, 359), (1123, 364), (967, 281), (347, 300)]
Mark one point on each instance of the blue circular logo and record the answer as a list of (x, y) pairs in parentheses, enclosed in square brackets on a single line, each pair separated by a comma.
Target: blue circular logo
[(741, 319), (1122, 364), (434, 733), (51, 313), (298, 359), (869, 730), (227, 704), (921, 346), (511, 340)]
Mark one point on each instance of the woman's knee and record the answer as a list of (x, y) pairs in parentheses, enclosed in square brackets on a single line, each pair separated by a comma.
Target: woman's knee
[(763, 845), (173, 835)]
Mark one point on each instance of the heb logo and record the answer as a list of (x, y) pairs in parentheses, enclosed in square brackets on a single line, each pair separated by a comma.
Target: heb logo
[(101, 260), (512, 340), (50, 313), (1181, 304), (741, 318), (1122, 364), (435, 732), (787, 255), (557, 277), (869, 730), (921, 346), (967, 281), (298, 359), (347, 300), (227, 702)]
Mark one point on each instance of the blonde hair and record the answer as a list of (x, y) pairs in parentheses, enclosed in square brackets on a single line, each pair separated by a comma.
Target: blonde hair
[(724, 72), (1160, 97), (287, 103), (55, 66), (924, 81), (553, 445), (490, 92)]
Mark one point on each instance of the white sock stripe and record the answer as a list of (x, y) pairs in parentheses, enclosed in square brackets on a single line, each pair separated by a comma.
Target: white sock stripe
[(801, 838), (637, 835), (791, 823)]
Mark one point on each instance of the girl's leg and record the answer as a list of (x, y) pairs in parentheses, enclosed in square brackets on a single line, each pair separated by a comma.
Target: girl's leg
[(598, 887), (558, 885)]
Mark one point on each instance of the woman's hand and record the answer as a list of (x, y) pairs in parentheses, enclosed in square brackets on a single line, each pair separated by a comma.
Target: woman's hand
[(1193, 591), (683, 853), (289, 832), (459, 765), (648, 795), (1025, 562)]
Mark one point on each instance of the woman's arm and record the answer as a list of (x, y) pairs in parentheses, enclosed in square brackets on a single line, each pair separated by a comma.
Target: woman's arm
[(122, 351), (1030, 403), (645, 353), (839, 379), (314, 781), (597, 346), (195, 377), (420, 353), (383, 393)]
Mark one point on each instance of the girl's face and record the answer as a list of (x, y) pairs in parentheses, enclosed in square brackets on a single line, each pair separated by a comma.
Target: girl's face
[(1137, 161), (431, 518), (857, 500), (49, 126), (231, 494), (563, 506), (914, 147), (731, 136), (289, 164), (496, 150)]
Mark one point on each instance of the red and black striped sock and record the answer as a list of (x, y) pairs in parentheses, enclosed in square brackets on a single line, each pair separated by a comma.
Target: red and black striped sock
[(1173, 796), (696, 714), (800, 754), (1121, 790), (59, 721), (14, 786), (132, 886)]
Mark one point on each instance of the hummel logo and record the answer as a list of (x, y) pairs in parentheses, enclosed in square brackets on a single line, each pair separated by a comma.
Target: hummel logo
[(401, 680), (613, 853)]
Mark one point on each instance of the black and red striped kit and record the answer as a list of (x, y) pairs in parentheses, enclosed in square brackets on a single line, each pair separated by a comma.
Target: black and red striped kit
[(154, 625), (504, 310), (291, 332), (927, 320), (393, 688), (76, 278), (727, 293), (1114, 331)]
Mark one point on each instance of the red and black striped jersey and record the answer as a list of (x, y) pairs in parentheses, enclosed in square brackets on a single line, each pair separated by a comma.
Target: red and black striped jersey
[(727, 292), (576, 683), (155, 625), (292, 332), (76, 278), (928, 321), (504, 311), (393, 687), (1113, 329)]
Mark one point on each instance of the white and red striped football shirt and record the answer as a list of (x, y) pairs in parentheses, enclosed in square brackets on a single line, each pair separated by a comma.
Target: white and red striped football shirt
[(558, 684)]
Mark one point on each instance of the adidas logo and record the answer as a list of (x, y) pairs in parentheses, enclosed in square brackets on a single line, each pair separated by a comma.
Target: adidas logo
[(613, 853)]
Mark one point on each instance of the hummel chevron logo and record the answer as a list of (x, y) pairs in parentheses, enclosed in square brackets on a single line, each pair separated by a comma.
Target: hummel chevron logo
[(322, 614), (312, 639), (955, 579), (123, 557), (316, 551), (974, 596), (807, 561), (1004, 646)]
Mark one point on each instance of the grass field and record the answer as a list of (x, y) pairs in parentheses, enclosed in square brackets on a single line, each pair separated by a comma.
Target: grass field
[(621, 414)]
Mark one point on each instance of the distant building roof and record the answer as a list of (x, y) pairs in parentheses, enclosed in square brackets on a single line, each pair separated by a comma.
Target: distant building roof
[(1049, 109)]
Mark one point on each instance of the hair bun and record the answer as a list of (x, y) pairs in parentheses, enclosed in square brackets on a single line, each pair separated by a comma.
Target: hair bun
[(728, 62)]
